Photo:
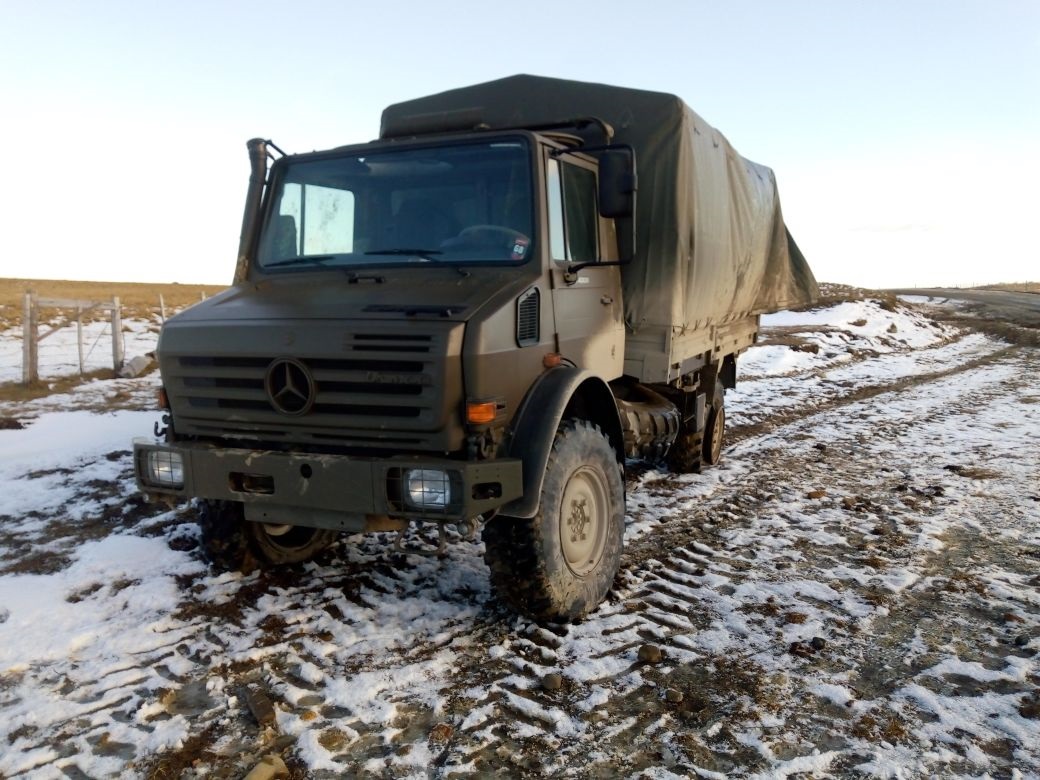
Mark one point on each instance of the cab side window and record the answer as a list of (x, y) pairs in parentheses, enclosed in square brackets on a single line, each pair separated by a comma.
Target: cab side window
[(572, 212)]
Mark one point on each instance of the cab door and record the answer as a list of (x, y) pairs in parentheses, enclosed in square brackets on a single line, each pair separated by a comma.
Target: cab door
[(586, 303)]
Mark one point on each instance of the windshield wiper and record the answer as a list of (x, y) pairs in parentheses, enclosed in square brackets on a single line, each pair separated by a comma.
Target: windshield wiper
[(309, 260), (425, 254)]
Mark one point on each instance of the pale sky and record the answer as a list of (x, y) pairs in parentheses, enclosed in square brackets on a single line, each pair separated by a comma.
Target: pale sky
[(905, 135)]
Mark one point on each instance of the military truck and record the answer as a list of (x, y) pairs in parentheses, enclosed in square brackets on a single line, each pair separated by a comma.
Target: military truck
[(472, 322)]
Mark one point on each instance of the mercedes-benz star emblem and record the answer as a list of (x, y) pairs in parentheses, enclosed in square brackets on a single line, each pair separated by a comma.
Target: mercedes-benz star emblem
[(290, 386)]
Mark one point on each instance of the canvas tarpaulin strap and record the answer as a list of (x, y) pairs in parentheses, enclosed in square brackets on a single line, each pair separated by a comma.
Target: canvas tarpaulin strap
[(711, 247)]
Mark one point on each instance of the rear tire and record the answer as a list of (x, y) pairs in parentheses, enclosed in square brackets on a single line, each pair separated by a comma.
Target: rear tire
[(231, 543), (715, 429), (560, 564), (684, 456)]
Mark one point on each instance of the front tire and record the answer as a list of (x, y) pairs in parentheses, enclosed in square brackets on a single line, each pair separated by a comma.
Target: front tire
[(231, 543), (560, 564)]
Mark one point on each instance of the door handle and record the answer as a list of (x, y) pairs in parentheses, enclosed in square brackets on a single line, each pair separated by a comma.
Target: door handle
[(606, 300)]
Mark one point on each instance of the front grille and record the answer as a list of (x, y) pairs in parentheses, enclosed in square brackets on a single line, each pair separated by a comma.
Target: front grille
[(344, 387), (381, 387)]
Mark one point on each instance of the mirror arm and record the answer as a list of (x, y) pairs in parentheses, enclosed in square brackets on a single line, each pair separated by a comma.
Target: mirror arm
[(570, 274), (573, 268)]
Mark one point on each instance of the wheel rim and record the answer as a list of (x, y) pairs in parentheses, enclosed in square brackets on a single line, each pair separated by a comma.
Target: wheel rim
[(583, 520), (288, 538), (717, 432)]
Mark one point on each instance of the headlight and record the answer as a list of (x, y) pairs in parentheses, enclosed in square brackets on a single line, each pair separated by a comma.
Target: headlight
[(165, 468), (427, 488)]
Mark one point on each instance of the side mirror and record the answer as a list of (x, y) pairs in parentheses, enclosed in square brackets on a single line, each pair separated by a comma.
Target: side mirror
[(617, 182)]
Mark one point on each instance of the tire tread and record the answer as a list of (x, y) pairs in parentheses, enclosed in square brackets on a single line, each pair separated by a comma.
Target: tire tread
[(512, 545)]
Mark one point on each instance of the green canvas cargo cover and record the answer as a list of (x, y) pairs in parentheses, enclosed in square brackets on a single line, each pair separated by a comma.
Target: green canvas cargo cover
[(711, 246)]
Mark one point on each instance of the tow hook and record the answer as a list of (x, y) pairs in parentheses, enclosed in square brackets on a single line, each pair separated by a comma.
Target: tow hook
[(421, 549), (161, 432), (468, 529)]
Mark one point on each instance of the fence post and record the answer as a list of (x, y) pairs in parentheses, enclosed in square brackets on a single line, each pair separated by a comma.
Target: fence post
[(30, 347), (26, 340), (117, 335), (79, 336), (162, 309)]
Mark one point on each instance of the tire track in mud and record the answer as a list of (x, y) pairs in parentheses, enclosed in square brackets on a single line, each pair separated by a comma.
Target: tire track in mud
[(962, 568), (493, 713), (514, 686), (668, 605), (778, 419), (304, 652), (706, 577), (882, 535), (102, 698), (670, 591), (745, 435)]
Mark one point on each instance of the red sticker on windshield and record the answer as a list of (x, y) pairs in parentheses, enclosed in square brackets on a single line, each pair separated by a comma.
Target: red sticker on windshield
[(520, 248)]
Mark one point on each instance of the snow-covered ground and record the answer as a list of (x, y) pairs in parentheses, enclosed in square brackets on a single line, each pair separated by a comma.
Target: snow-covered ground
[(855, 591)]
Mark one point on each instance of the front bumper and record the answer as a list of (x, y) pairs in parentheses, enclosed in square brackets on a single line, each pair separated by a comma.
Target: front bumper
[(325, 491)]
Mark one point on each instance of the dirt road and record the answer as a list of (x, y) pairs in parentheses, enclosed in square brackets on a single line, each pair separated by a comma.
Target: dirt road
[(1022, 308), (855, 591)]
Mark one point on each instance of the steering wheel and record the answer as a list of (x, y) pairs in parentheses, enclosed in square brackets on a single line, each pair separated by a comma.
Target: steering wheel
[(498, 237), (490, 235)]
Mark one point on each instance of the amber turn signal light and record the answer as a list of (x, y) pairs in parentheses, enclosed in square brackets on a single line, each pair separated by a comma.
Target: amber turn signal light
[(552, 359), (164, 402), (480, 413)]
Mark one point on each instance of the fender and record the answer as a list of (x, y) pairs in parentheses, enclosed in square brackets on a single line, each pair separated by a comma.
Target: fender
[(560, 393)]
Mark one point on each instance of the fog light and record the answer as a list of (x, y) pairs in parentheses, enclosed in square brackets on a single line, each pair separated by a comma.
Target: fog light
[(427, 488), (165, 468)]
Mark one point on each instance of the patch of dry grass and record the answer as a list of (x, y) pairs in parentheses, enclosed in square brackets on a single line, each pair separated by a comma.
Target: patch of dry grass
[(1032, 287), (16, 391), (1025, 334), (832, 294), (876, 725), (136, 299)]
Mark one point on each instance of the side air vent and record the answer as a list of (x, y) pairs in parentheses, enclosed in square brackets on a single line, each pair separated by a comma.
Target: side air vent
[(527, 316)]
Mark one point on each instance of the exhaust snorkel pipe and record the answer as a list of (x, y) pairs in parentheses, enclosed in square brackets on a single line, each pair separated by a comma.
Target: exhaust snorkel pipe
[(254, 196)]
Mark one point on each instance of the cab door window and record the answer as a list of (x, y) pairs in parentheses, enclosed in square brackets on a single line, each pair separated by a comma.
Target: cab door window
[(312, 220), (573, 213)]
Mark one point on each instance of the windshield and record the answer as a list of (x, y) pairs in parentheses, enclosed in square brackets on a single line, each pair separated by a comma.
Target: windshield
[(466, 203)]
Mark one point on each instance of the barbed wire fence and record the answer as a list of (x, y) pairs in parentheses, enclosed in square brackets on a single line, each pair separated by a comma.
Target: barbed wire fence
[(81, 313), (71, 310)]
